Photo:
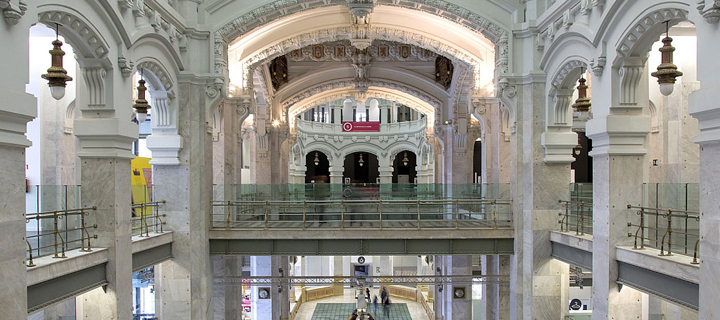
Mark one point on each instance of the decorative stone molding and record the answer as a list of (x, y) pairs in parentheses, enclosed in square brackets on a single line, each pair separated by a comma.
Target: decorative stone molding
[(69, 122), (282, 8), (161, 116), (92, 41), (300, 41), (503, 54), (126, 66), (214, 90), (159, 71), (709, 11), (561, 100), (138, 8), (630, 74), (598, 65), (563, 71), (13, 12), (125, 4), (380, 50), (506, 89), (95, 83), (350, 83), (626, 47)]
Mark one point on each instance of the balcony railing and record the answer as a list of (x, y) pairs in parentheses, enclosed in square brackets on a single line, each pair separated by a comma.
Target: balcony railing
[(577, 216), (373, 213), (667, 230), (67, 230), (147, 218), (324, 191)]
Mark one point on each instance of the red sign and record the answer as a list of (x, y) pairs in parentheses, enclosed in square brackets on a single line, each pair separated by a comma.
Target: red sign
[(361, 126)]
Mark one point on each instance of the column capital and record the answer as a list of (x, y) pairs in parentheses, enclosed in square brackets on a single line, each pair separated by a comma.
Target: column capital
[(704, 106), (619, 134), (165, 149), (105, 137), (16, 110), (558, 146)]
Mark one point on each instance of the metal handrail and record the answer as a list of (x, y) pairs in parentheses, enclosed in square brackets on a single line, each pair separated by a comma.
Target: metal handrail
[(579, 218), (668, 214), (155, 216), (344, 211), (59, 247)]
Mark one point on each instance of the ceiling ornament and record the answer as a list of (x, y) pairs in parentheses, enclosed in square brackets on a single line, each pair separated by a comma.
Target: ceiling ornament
[(443, 71), (278, 72)]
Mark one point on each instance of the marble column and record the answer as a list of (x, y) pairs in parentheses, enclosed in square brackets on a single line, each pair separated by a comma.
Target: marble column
[(337, 270), (281, 267), (228, 298), (261, 308), (227, 152), (385, 170), (458, 307), (539, 283), (106, 185), (618, 173), (185, 283)]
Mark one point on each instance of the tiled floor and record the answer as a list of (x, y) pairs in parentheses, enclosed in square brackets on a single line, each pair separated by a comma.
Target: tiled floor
[(307, 309), (341, 311)]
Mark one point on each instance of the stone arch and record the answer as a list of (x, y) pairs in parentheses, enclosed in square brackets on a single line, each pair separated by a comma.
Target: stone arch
[(638, 37), (304, 102), (83, 36)]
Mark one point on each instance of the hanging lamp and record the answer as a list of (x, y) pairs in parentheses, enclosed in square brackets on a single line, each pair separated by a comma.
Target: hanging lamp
[(141, 105), (405, 159), (361, 160), (317, 160), (582, 104), (57, 75), (667, 72)]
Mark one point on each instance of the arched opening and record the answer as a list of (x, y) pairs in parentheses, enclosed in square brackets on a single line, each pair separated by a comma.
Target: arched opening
[(318, 168), (404, 168), (477, 161), (361, 167)]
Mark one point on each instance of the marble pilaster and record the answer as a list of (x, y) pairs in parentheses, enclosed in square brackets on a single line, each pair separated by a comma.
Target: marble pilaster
[(227, 299), (185, 284), (618, 174), (458, 307), (262, 309), (106, 184)]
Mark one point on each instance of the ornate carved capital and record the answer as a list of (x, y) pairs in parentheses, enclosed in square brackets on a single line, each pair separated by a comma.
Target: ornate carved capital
[(95, 82), (126, 66), (598, 65), (709, 11)]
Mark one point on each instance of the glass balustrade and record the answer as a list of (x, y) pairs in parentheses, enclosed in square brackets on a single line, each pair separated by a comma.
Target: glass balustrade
[(363, 206)]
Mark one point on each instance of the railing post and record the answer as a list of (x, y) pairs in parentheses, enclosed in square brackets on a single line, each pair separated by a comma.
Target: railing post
[(30, 263), (418, 211), (581, 229), (381, 224), (457, 214), (642, 228), (227, 215), (266, 213), (495, 214), (304, 213)]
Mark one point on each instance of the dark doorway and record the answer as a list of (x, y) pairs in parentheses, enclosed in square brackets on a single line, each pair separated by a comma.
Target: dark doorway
[(320, 172), (361, 171), (477, 161), (404, 167), (583, 162)]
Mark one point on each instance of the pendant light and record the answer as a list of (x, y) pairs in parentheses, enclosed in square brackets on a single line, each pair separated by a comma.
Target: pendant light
[(667, 72), (141, 105), (361, 160), (57, 75), (582, 104), (578, 148), (405, 159), (317, 160)]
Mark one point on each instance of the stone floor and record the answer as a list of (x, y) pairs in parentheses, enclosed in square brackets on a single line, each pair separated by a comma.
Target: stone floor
[(341, 311), (414, 309)]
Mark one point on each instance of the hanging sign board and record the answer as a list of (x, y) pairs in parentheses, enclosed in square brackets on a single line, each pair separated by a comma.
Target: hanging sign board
[(361, 126)]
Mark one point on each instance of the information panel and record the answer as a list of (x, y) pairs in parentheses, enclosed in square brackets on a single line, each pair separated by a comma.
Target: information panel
[(361, 126)]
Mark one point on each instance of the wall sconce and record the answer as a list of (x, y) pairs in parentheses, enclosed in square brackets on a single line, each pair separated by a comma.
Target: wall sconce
[(405, 159), (276, 123), (317, 160), (577, 148), (57, 75), (141, 105), (361, 160), (582, 104), (667, 72)]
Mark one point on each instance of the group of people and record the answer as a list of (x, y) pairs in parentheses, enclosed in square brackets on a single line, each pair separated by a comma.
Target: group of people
[(384, 300)]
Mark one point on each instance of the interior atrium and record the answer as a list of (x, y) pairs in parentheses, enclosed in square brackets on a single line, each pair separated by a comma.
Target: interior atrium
[(360, 159)]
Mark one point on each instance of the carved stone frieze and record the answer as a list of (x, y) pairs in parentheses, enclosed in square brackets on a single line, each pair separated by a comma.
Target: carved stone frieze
[(379, 50), (158, 71), (565, 70), (626, 47)]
